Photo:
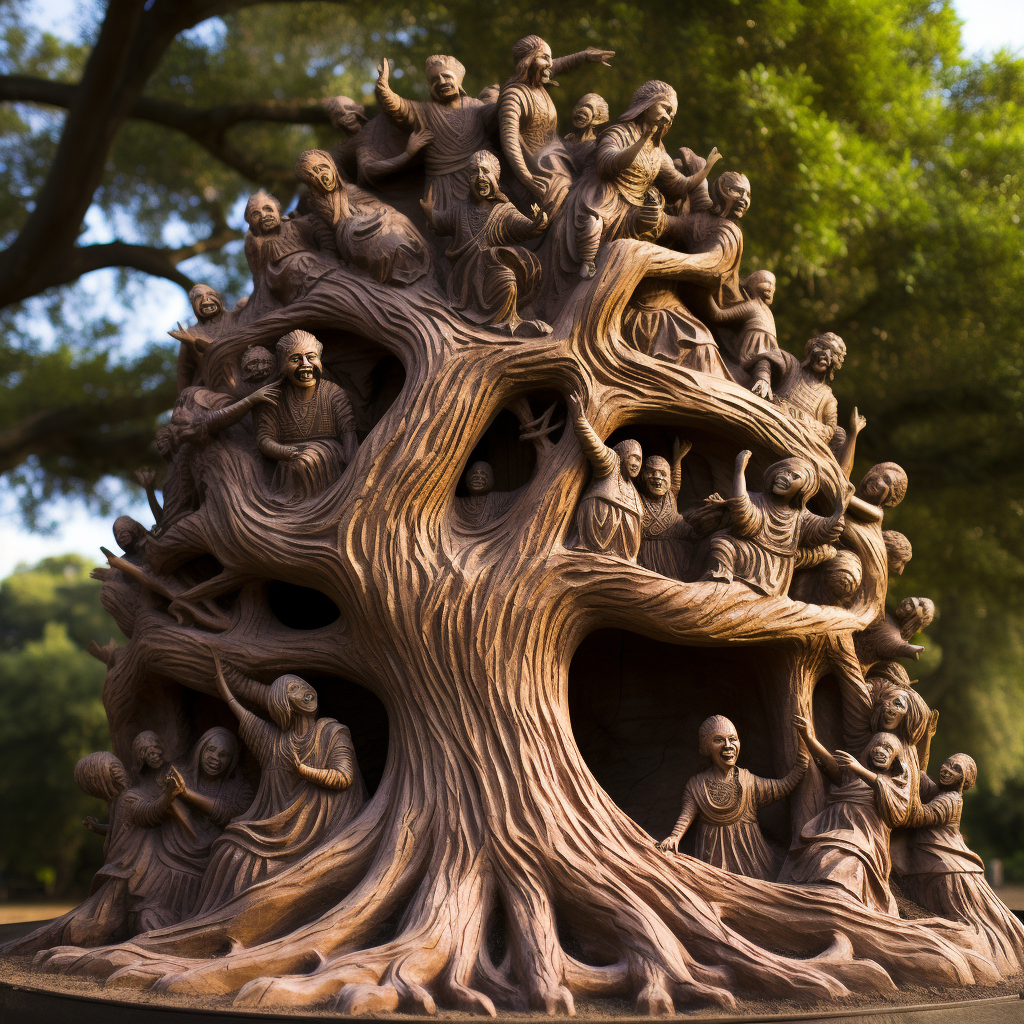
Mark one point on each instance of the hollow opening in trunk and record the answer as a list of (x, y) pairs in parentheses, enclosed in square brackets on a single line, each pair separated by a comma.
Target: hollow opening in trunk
[(301, 607)]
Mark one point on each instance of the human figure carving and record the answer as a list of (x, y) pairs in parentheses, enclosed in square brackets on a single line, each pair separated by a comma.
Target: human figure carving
[(898, 551), (620, 195), (258, 364), (847, 844), (884, 485), (805, 393), (146, 479), (131, 536), (285, 257), (590, 112), (756, 347), (367, 233), (483, 503), (208, 306), (889, 636), (458, 125), (310, 783), (663, 545), (609, 519), (724, 799), (940, 872), (310, 432), (528, 121), (491, 275), (765, 530), (834, 582)]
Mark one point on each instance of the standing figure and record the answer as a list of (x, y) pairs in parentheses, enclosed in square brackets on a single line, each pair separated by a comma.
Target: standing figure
[(284, 256), (208, 306), (884, 485), (663, 546), (765, 530), (620, 195), (889, 636), (528, 121), (757, 347), (490, 276), (847, 844), (724, 800), (610, 516), (310, 787), (459, 125), (940, 872), (590, 112), (805, 393), (310, 432)]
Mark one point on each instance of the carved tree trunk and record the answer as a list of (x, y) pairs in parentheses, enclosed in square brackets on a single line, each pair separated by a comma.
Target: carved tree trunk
[(490, 867)]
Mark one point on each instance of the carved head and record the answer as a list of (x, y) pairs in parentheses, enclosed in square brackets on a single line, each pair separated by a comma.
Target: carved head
[(791, 478), (657, 476), (881, 752), (914, 614), (258, 363), (262, 213), (316, 167), (206, 302), (290, 695), (533, 60), (653, 103), (958, 773), (298, 359), (147, 752), (101, 775), (480, 478), (884, 485), (444, 77), (760, 285), (730, 193), (900, 710), (590, 111), (842, 576), (128, 533), (897, 551), (346, 114), (718, 740), (489, 94), (631, 457), (484, 176), (216, 753), (824, 354)]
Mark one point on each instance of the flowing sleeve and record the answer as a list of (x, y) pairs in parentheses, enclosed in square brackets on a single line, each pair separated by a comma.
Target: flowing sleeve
[(688, 813), (813, 530), (399, 109), (767, 791), (143, 811), (569, 63), (745, 518), (258, 735), (344, 418), (940, 811), (609, 146), (892, 798)]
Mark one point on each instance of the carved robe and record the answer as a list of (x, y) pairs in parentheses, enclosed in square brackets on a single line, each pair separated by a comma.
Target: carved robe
[(610, 515), (286, 264), (663, 544), (808, 400)]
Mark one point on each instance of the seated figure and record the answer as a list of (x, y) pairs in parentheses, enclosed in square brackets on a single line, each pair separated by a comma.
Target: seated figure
[(663, 546), (889, 636), (765, 530), (724, 800), (609, 519), (490, 275), (805, 392), (310, 431), (366, 233)]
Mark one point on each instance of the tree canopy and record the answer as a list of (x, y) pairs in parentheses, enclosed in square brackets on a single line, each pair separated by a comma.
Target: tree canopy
[(886, 169)]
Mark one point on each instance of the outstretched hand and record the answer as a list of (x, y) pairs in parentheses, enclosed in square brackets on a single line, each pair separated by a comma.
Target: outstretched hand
[(595, 56), (802, 726), (670, 845), (145, 476), (383, 71), (857, 422), (743, 460), (269, 393)]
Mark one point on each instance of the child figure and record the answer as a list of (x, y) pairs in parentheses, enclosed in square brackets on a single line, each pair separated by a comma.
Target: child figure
[(765, 531), (725, 799), (942, 874), (757, 346)]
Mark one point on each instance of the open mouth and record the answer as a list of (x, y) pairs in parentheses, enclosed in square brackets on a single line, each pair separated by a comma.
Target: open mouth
[(305, 376)]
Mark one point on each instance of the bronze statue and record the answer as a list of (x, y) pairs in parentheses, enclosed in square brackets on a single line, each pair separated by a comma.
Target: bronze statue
[(724, 800), (310, 431), (766, 530)]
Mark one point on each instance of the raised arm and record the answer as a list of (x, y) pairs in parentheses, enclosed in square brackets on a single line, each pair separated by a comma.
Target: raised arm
[(732, 315), (221, 419), (372, 167), (603, 459), (612, 158), (244, 717), (147, 478), (679, 451), (844, 452), (670, 844), (677, 185), (828, 763), (400, 110), (591, 55), (767, 791), (817, 530)]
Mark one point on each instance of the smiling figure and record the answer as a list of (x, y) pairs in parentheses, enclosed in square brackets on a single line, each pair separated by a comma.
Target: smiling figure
[(724, 799)]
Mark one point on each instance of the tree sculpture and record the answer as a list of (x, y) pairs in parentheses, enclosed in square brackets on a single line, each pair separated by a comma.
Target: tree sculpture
[(490, 867)]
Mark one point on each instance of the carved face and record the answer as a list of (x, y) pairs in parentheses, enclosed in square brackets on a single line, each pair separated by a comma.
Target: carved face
[(480, 478), (631, 464), (154, 756), (788, 482), (766, 291), (951, 775), (206, 303), (882, 754), (878, 486), (257, 367), (894, 707), (124, 536), (821, 359), (540, 69), (724, 745), (444, 84), (661, 113), (215, 759), (302, 696), (896, 565), (265, 218), (484, 180), (324, 174), (737, 199), (656, 480), (302, 366), (583, 116)]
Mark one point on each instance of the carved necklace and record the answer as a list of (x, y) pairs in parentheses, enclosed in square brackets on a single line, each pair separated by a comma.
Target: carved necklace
[(728, 790), (304, 413), (658, 515)]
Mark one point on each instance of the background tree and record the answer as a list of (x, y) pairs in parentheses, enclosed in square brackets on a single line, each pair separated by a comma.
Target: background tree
[(887, 195)]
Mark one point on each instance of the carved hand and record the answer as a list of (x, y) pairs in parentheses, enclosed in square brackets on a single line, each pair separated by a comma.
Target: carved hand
[(848, 763), (540, 218), (802, 725), (145, 476), (595, 56), (670, 845), (713, 157), (575, 404), (762, 389), (222, 684), (268, 393), (90, 822), (857, 422), (174, 784), (383, 71), (419, 138), (743, 460), (680, 450)]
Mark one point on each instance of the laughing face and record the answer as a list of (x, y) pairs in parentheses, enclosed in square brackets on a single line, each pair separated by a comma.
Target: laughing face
[(215, 759), (724, 745), (302, 366), (882, 755), (894, 707), (788, 482), (656, 479)]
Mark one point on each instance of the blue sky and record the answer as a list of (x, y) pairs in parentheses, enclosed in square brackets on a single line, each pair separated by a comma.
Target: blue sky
[(988, 25)]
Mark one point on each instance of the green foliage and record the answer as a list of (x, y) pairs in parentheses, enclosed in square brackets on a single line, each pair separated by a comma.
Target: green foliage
[(51, 714)]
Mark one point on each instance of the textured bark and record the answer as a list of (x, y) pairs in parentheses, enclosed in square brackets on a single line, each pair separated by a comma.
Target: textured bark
[(514, 878)]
